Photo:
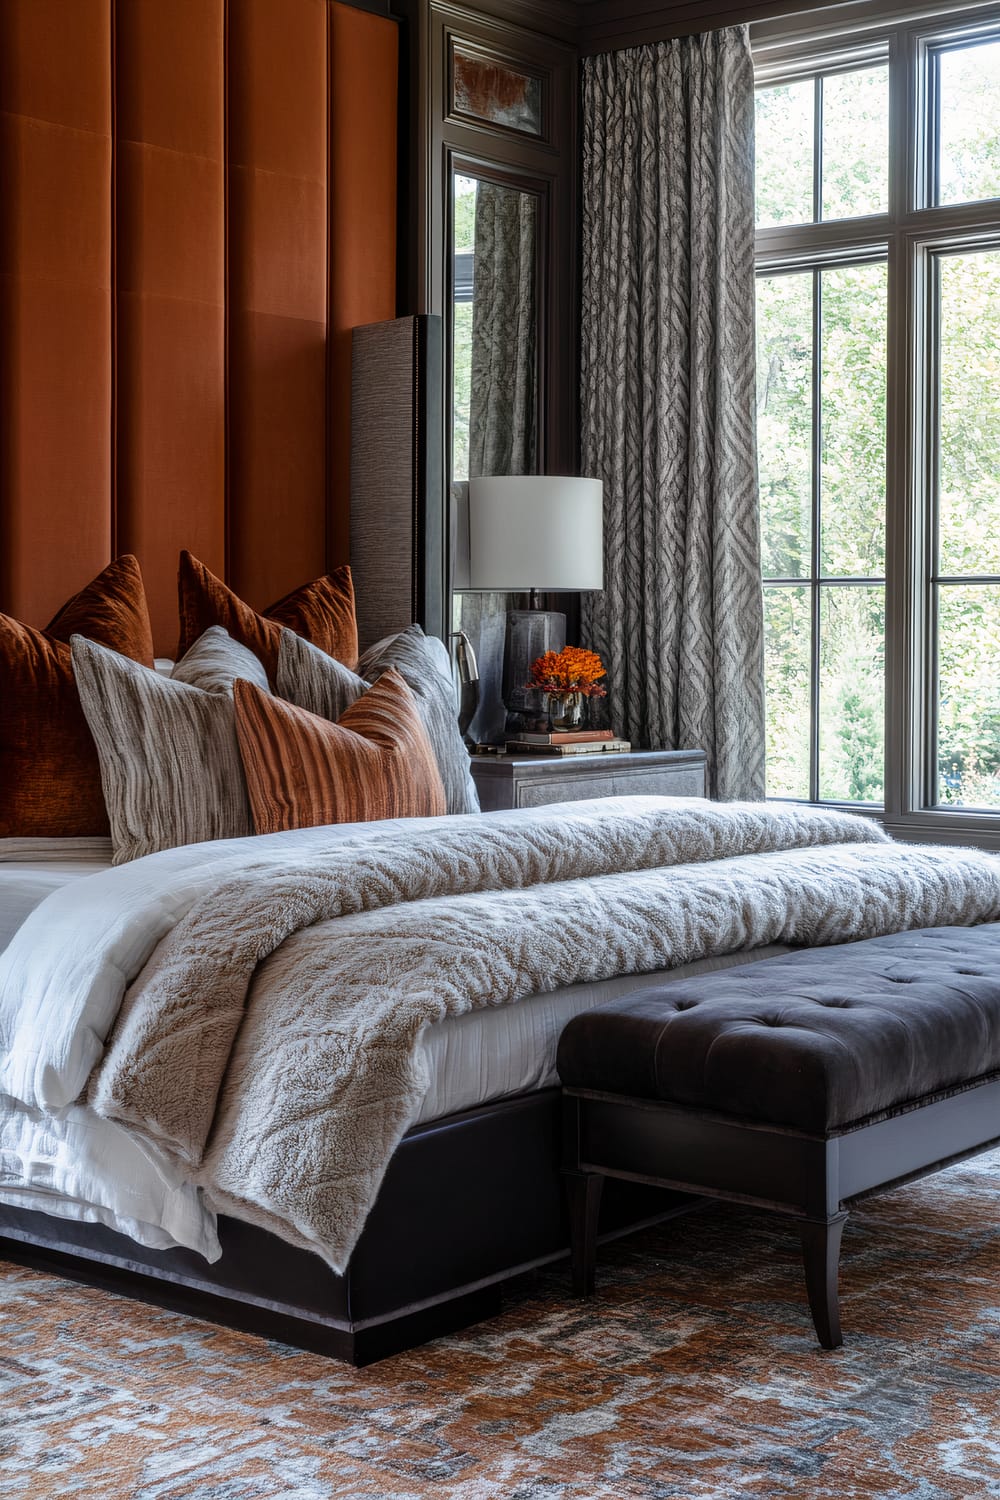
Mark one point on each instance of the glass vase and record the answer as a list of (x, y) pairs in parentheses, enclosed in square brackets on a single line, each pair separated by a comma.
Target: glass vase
[(566, 711)]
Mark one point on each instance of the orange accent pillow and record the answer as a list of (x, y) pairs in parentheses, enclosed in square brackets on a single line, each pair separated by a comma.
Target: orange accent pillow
[(50, 779), (321, 611), (301, 770)]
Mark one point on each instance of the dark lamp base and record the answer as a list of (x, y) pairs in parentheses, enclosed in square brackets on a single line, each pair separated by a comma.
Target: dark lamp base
[(530, 633)]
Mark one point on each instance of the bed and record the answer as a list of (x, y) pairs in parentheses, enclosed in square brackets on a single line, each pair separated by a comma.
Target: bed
[(492, 1104), (466, 1183)]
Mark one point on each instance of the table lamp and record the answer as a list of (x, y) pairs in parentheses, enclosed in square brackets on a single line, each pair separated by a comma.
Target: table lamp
[(534, 534)]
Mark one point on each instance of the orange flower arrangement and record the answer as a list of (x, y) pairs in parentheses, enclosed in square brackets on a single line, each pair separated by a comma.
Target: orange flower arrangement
[(571, 670)]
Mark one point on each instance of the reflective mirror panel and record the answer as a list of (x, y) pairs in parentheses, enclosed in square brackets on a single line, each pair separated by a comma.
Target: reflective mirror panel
[(494, 92), (494, 329)]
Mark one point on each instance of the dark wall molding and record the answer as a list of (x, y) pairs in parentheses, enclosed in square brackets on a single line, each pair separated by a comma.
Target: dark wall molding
[(608, 25)]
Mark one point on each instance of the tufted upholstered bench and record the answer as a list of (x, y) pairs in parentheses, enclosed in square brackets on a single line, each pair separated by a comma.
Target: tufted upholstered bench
[(800, 1084)]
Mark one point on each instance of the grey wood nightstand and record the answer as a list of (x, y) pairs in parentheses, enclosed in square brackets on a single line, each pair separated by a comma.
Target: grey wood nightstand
[(533, 780)]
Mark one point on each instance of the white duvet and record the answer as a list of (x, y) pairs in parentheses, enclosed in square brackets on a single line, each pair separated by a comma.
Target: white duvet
[(75, 932)]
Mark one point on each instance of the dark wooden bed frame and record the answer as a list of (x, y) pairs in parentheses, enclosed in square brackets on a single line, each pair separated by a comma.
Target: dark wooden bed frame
[(468, 1202)]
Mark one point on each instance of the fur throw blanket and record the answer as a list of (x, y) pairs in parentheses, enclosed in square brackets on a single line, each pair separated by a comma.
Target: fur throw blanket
[(270, 1043)]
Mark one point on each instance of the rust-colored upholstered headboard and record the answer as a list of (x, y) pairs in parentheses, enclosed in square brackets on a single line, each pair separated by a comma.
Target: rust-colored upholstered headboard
[(198, 203)]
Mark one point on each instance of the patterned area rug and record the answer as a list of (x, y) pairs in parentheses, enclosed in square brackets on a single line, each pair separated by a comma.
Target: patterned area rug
[(693, 1375)]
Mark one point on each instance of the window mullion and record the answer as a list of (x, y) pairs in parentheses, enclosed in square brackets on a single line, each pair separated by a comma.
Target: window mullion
[(818, 149), (815, 568), (930, 552)]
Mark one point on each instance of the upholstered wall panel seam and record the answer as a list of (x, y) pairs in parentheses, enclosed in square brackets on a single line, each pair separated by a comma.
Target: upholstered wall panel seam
[(227, 509), (328, 557), (113, 331)]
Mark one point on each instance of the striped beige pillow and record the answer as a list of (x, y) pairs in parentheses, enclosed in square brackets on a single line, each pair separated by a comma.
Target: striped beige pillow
[(170, 764), (302, 770)]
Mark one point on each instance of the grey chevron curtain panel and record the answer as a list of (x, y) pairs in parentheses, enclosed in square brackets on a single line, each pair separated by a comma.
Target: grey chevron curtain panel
[(667, 397), (502, 402)]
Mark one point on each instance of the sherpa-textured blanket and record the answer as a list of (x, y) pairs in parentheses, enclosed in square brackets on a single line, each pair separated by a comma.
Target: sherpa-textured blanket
[(270, 1041)]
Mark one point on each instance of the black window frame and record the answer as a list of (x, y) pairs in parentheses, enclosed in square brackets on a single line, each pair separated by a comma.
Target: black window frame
[(911, 236)]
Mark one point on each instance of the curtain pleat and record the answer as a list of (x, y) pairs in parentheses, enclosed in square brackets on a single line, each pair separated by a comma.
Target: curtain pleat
[(667, 397), (503, 378)]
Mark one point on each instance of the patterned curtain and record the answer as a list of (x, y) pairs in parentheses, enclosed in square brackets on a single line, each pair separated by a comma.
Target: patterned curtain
[(504, 322), (667, 397)]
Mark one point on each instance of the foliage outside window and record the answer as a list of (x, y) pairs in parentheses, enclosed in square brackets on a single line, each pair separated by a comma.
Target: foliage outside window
[(879, 454)]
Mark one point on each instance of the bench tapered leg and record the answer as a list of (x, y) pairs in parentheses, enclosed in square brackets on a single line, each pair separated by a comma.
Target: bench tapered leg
[(584, 1190), (821, 1256)]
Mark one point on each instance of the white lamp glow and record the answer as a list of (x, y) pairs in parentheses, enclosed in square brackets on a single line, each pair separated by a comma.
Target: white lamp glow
[(536, 531)]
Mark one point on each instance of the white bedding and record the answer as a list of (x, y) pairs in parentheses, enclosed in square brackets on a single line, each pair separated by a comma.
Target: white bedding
[(31, 869), (510, 1049), (84, 1168)]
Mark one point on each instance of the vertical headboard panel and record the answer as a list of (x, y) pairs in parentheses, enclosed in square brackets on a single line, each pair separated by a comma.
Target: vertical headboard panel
[(55, 300), (277, 293), (198, 203), (170, 291)]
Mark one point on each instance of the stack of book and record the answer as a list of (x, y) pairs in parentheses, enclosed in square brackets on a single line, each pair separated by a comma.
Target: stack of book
[(568, 742)]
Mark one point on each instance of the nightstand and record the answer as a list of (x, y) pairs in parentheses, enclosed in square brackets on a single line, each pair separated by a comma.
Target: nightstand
[(532, 780)]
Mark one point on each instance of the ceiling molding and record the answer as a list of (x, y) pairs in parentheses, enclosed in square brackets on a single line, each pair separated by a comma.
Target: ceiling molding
[(607, 25), (559, 19)]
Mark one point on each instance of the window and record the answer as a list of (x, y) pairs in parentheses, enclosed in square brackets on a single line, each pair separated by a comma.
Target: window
[(878, 410)]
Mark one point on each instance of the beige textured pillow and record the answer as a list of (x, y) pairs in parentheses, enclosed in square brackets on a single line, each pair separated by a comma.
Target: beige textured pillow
[(170, 763), (309, 678), (313, 680)]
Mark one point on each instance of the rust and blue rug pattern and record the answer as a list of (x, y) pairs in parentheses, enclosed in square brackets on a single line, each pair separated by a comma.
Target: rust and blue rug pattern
[(693, 1375)]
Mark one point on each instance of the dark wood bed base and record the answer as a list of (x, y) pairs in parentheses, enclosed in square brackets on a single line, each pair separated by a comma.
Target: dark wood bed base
[(468, 1202)]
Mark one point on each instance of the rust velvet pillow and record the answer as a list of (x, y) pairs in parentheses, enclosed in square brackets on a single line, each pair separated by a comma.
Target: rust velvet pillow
[(301, 770), (321, 611), (50, 779)]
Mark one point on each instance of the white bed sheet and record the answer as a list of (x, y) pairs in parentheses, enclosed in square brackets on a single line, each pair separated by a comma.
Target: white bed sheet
[(510, 1049), (24, 885)]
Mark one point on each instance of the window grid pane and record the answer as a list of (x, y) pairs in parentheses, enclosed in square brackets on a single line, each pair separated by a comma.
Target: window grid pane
[(968, 92), (852, 694), (787, 635), (853, 404), (968, 708), (966, 717), (821, 369), (784, 422), (784, 154), (855, 143)]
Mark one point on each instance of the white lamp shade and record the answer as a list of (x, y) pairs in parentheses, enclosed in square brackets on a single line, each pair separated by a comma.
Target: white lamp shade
[(536, 531)]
